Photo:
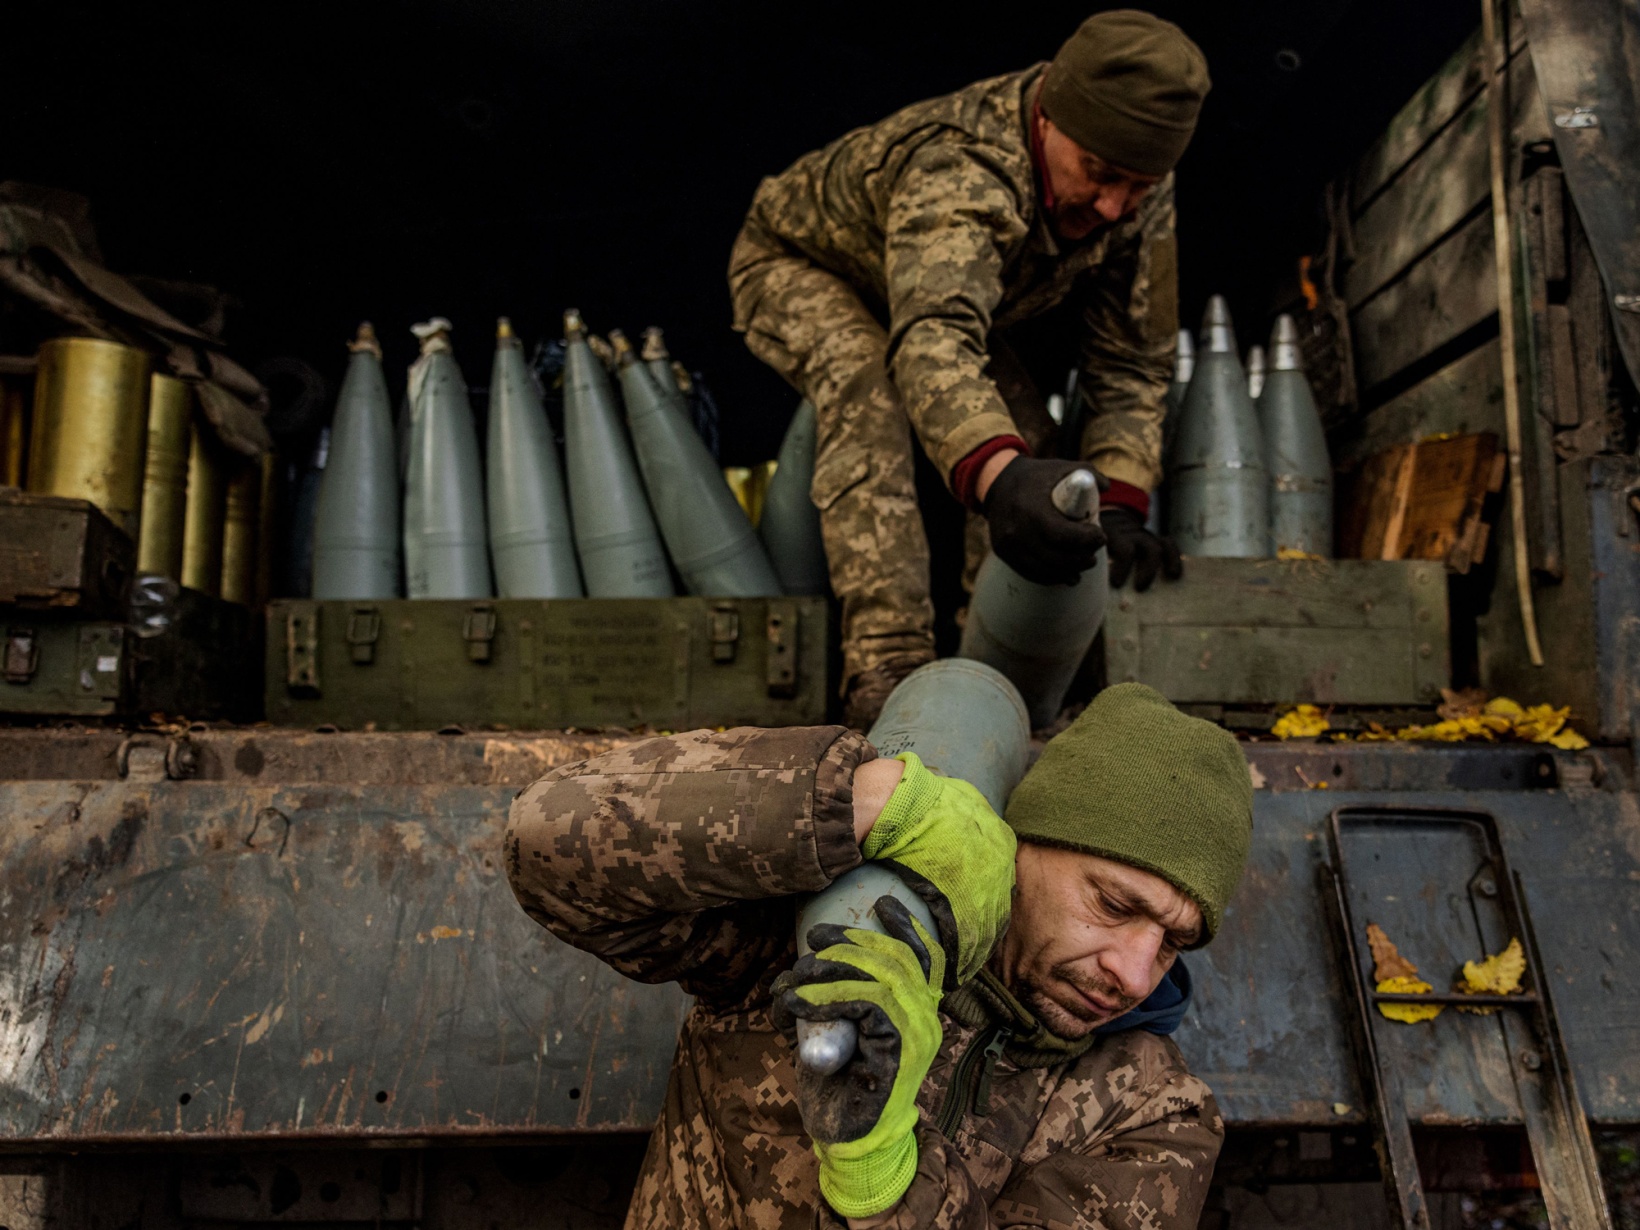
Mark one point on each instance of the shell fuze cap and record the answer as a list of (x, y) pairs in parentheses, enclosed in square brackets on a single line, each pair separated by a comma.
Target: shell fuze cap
[(1135, 780), (1127, 86)]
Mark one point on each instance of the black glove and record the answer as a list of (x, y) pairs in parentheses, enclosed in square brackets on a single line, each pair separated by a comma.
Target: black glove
[(1029, 534), (1135, 549)]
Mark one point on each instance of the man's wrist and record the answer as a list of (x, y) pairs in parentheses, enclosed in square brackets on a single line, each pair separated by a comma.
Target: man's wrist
[(874, 784), (995, 464)]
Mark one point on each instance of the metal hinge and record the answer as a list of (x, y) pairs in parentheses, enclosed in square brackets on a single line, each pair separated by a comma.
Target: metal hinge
[(22, 655), (782, 670), (302, 646), (478, 630), (723, 629), (364, 627)]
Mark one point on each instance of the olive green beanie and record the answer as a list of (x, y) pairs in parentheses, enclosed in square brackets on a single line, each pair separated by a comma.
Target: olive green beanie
[(1135, 780), (1127, 86)]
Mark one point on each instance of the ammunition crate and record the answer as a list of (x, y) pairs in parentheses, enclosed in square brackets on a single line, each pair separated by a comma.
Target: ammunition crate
[(1266, 631), (667, 663), (203, 665), (62, 554)]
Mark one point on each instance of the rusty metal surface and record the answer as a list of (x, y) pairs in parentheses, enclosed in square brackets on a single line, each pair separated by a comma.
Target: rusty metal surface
[(199, 961), (281, 952), (1268, 1030)]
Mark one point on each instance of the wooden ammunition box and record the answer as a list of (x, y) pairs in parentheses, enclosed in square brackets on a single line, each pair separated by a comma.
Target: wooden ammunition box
[(62, 554), (202, 665), (1266, 631), (666, 663)]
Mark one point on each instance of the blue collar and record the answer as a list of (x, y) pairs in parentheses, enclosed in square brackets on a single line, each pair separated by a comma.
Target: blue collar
[(1162, 1010)]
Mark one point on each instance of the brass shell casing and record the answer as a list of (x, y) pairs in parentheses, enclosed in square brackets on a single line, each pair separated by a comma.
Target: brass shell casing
[(239, 530), (202, 522), (91, 425), (13, 431), (750, 485), (165, 476)]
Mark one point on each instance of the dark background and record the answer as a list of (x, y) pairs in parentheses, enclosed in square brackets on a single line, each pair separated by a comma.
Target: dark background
[(332, 162)]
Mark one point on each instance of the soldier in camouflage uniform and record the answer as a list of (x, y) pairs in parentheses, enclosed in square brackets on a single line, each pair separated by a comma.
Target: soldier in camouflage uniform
[(1049, 1094), (876, 275)]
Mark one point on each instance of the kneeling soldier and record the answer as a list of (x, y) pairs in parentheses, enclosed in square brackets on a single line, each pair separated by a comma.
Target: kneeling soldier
[(1013, 1069)]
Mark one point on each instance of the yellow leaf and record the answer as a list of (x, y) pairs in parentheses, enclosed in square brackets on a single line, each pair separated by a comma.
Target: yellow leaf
[(1410, 1014), (1296, 553), (1569, 741), (1304, 722), (1502, 706), (1497, 975)]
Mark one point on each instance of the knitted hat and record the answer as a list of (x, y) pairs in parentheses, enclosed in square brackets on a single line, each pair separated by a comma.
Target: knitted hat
[(1135, 780), (1127, 86)]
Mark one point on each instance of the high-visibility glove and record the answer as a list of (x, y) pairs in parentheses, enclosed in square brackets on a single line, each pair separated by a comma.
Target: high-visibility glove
[(863, 1118), (1029, 534), (1133, 548), (956, 854)]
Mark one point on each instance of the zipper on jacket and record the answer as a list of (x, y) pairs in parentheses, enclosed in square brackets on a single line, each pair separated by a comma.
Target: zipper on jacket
[(988, 1069), (961, 1090)]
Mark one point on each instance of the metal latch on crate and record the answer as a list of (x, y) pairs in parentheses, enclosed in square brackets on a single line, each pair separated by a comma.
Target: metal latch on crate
[(302, 646), (22, 655), (364, 627), (782, 668), (723, 629), (478, 630)]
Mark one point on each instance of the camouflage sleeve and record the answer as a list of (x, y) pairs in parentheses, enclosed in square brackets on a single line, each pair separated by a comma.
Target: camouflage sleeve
[(673, 859), (1132, 1149), (1131, 318), (952, 223)]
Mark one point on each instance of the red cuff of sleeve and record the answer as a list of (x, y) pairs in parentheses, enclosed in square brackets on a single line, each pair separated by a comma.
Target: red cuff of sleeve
[(1125, 495), (966, 474)]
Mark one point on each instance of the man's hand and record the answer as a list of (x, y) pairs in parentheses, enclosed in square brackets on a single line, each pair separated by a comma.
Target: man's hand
[(1135, 549), (863, 1118), (1028, 533), (956, 854)]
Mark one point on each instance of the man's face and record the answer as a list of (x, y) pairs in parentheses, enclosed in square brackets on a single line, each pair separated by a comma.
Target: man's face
[(1088, 192), (1090, 938)]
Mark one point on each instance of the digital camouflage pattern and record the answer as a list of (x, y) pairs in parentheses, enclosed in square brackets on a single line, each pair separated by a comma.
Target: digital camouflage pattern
[(675, 859), (876, 274)]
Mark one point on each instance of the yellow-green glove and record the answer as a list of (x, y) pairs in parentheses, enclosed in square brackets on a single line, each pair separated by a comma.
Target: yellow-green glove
[(863, 1118), (956, 854)]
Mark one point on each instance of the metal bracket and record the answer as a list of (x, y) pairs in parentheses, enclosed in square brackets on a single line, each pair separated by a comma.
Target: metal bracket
[(22, 655), (723, 628), (478, 630), (302, 646), (364, 627), (783, 640), (1556, 1126)]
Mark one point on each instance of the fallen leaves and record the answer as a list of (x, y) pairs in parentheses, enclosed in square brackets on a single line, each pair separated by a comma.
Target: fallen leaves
[(1465, 715), (1498, 974), (1302, 722), (1394, 974)]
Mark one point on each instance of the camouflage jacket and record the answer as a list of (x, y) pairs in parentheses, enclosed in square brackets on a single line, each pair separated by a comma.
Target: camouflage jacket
[(933, 216), (675, 859)]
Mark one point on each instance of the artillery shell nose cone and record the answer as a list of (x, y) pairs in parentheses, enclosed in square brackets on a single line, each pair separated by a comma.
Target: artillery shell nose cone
[(1284, 352), (824, 1053), (1075, 494), (503, 327), (574, 328), (623, 348), (654, 344), (1218, 334), (1187, 345)]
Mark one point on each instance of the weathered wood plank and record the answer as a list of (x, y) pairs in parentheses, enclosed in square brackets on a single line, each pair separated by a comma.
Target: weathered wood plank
[(1451, 290), (1428, 111), (1444, 183), (1464, 396)]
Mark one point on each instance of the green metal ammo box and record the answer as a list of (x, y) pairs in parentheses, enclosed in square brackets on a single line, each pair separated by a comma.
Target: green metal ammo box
[(1271, 632), (667, 663), (203, 665)]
